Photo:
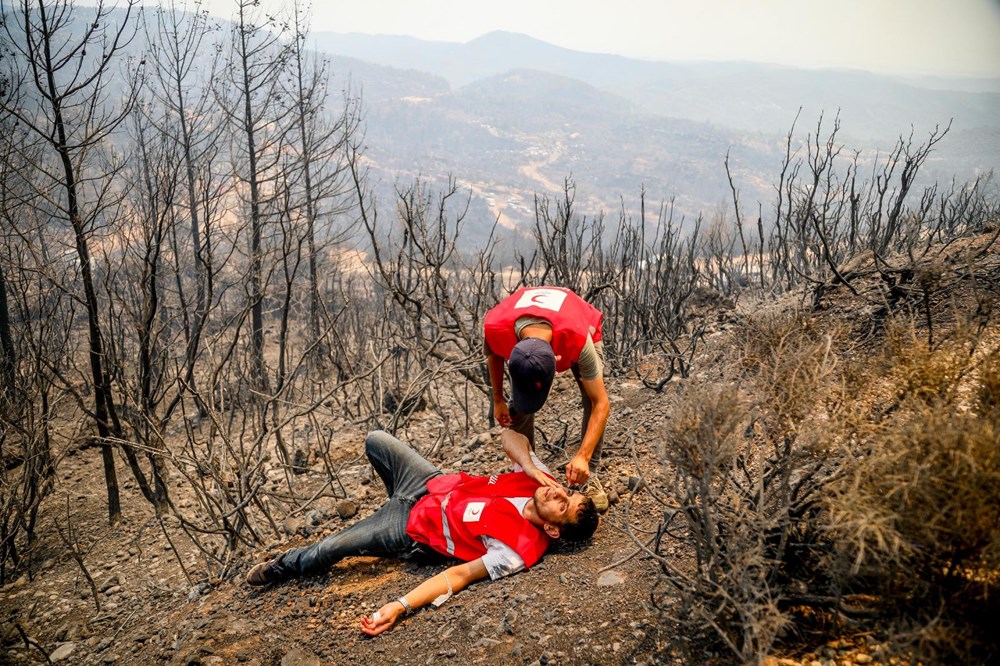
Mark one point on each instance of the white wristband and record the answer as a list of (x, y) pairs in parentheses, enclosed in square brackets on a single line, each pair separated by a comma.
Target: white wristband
[(405, 604)]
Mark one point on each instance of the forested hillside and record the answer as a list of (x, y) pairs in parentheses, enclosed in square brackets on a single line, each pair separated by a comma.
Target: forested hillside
[(219, 271)]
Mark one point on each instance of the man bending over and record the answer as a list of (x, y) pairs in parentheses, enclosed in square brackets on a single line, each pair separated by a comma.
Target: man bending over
[(497, 525)]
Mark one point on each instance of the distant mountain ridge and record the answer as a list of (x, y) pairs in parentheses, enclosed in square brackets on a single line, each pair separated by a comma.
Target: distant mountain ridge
[(740, 95), (512, 117)]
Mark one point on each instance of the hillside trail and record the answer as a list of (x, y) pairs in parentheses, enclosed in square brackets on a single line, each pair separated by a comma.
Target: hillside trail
[(532, 170)]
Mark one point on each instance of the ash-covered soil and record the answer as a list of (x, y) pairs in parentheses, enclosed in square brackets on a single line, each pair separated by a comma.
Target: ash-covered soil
[(585, 604)]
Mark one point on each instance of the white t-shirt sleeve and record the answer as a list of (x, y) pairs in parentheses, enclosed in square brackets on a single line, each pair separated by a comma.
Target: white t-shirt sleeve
[(538, 463), (500, 559)]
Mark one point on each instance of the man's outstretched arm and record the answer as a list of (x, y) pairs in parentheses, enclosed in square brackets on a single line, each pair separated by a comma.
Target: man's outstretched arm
[(495, 364), (458, 577), (578, 469), (516, 446)]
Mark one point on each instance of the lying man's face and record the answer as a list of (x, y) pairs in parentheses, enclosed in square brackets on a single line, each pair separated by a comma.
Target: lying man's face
[(558, 506)]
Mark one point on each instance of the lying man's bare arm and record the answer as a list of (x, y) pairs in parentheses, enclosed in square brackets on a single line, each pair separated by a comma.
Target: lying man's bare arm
[(456, 578)]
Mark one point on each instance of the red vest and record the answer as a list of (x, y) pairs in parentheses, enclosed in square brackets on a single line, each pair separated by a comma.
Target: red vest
[(458, 509), (572, 319)]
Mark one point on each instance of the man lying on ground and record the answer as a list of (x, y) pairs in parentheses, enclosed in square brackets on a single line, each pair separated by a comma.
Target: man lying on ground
[(497, 525)]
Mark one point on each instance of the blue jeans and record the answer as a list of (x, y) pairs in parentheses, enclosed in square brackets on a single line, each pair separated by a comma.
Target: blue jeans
[(405, 475)]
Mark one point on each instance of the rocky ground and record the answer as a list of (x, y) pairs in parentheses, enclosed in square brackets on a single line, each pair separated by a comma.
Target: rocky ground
[(586, 605), (579, 605)]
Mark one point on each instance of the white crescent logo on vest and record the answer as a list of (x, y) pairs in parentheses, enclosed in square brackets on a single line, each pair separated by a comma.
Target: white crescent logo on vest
[(549, 299), (473, 512)]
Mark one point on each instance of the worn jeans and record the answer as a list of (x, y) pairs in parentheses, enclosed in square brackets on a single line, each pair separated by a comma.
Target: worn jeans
[(405, 475), (525, 423)]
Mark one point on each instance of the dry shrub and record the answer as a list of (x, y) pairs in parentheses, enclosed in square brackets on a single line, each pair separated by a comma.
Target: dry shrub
[(721, 524), (746, 471), (788, 361), (916, 517), (921, 372)]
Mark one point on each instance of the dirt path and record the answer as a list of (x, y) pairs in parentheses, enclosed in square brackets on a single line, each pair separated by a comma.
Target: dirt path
[(531, 170)]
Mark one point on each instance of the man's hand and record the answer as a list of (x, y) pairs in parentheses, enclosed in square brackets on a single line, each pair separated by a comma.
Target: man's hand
[(501, 413), (541, 477), (381, 620), (578, 470)]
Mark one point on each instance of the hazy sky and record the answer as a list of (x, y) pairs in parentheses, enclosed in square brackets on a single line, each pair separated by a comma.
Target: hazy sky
[(953, 37)]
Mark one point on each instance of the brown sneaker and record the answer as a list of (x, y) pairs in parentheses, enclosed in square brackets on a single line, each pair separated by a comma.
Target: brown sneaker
[(595, 491), (263, 573)]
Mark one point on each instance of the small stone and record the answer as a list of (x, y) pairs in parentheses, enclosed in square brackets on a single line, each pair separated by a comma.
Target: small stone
[(293, 525), (862, 658), (62, 652), (61, 633), (346, 509), (609, 578), (300, 462), (197, 590), (300, 657), (314, 517), (507, 624), (112, 581)]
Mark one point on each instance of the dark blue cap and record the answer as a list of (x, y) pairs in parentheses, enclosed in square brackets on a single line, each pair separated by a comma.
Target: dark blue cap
[(532, 366)]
